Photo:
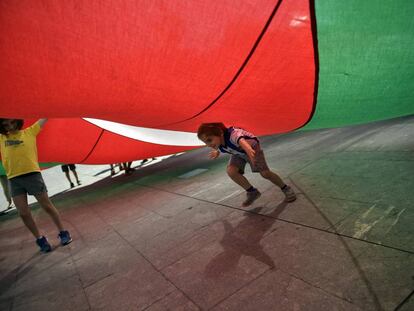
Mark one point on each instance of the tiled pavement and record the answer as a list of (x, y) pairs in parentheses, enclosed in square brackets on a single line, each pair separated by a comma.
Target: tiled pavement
[(173, 236)]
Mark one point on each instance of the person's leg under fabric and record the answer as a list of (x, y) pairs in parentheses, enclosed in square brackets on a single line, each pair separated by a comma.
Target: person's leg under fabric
[(25, 214), (290, 195), (273, 177), (68, 177), (20, 186), (252, 194), (112, 169), (49, 208), (6, 189), (76, 176), (128, 169), (234, 174), (260, 166)]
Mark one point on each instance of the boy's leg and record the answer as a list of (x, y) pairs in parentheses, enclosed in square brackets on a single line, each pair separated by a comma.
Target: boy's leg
[(21, 205), (49, 208), (290, 195), (260, 165), (273, 177), (234, 169), (234, 174)]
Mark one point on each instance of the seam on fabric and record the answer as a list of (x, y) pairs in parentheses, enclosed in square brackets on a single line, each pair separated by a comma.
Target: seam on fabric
[(314, 31), (406, 299), (93, 148), (241, 68)]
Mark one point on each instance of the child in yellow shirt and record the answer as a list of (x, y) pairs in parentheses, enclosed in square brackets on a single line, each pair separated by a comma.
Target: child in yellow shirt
[(19, 156)]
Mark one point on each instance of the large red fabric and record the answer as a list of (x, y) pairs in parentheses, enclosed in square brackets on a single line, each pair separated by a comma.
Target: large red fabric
[(275, 91), (160, 64)]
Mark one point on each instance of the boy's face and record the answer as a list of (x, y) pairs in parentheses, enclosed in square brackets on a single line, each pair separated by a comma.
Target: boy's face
[(9, 125), (212, 141)]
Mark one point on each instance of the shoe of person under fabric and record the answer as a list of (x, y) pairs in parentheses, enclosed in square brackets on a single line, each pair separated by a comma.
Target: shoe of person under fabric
[(251, 196), (290, 195), (65, 237), (72, 185), (43, 244)]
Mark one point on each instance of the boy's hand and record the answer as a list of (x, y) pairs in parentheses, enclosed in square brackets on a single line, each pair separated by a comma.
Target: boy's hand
[(248, 149), (251, 154), (214, 154)]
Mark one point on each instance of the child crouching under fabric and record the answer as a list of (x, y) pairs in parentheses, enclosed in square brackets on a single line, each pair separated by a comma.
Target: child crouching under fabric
[(243, 147)]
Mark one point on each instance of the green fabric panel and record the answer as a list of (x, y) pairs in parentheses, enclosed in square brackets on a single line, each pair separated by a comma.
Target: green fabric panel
[(366, 61), (48, 165)]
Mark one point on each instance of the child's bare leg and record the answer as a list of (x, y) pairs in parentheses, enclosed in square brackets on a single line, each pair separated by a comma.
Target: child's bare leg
[(6, 189), (238, 178), (21, 204), (76, 176), (68, 176), (290, 195), (49, 208), (273, 177)]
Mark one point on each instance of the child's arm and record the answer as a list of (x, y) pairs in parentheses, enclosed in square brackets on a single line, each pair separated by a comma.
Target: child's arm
[(247, 148), (42, 122), (213, 154)]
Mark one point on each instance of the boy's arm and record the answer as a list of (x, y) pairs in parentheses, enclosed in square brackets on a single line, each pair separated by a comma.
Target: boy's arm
[(247, 148), (42, 122)]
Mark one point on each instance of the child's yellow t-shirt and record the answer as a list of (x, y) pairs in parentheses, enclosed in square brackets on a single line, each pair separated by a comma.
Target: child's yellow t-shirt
[(19, 151)]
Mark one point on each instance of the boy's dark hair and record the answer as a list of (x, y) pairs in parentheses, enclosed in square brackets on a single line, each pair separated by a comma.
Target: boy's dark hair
[(19, 123), (211, 129)]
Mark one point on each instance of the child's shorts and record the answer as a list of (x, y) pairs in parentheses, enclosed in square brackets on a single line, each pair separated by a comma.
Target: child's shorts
[(259, 164), (66, 167), (31, 183)]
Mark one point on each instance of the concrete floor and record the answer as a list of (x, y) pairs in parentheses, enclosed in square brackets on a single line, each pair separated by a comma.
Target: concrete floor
[(173, 236)]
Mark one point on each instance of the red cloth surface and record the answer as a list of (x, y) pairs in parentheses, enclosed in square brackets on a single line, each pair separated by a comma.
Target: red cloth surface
[(153, 64)]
